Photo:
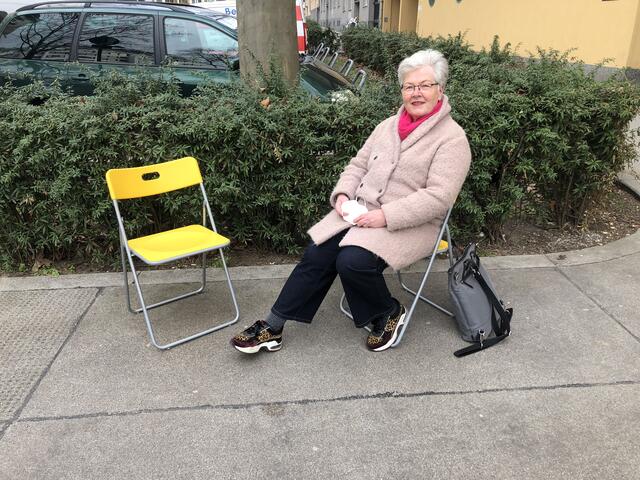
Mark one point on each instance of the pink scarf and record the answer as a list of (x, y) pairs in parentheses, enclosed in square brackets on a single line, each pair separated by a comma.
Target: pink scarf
[(406, 125)]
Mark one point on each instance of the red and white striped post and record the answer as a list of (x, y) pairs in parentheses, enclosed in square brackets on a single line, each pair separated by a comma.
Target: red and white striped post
[(301, 28)]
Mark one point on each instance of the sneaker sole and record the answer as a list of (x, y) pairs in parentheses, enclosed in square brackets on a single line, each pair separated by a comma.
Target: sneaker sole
[(395, 335), (270, 346)]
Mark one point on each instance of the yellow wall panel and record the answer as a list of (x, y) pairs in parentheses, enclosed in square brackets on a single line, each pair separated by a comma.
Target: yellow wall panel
[(408, 15), (596, 29)]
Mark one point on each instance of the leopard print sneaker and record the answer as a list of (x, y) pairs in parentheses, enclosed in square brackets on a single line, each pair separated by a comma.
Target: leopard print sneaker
[(383, 335), (256, 337)]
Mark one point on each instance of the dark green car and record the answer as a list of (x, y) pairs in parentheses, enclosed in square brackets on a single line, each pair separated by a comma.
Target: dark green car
[(73, 40)]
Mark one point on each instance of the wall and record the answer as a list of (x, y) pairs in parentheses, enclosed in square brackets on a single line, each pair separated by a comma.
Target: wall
[(311, 9), (367, 12), (337, 14), (597, 29), (390, 15), (408, 16)]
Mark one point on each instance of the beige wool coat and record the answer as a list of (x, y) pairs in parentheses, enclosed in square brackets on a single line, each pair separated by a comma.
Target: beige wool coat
[(414, 181)]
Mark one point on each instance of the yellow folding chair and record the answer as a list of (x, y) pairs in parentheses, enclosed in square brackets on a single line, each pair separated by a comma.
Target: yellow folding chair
[(441, 246), (170, 245)]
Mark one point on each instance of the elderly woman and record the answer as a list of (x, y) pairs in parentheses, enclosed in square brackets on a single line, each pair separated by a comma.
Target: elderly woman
[(408, 173)]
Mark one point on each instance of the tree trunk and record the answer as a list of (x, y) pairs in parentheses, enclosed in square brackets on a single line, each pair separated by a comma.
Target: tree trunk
[(266, 33)]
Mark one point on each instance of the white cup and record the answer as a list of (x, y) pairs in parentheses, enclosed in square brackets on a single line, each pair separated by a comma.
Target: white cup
[(351, 210)]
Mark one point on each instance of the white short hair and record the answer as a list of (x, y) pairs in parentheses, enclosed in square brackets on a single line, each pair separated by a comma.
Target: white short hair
[(423, 58)]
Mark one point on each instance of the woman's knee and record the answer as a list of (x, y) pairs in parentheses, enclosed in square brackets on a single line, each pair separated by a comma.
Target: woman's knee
[(354, 260), (316, 256)]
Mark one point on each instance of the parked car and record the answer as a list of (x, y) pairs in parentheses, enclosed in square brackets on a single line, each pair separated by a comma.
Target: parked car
[(73, 40)]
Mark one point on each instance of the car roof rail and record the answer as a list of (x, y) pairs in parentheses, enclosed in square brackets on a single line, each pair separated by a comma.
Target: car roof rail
[(85, 3)]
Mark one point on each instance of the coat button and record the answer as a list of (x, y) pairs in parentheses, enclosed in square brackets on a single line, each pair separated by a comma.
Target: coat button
[(380, 191), (362, 185), (375, 156)]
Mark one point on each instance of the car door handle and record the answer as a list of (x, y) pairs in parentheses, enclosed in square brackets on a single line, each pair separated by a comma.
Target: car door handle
[(82, 77)]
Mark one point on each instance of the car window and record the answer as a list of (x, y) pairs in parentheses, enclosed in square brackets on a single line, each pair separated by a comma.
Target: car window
[(116, 38), (42, 36), (196, 44)]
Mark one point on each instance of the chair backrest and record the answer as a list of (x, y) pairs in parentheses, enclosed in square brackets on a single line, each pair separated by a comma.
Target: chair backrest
[(155, 179)]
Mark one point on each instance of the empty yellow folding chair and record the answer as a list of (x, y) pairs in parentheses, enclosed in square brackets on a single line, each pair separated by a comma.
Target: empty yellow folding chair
[(170, 245)]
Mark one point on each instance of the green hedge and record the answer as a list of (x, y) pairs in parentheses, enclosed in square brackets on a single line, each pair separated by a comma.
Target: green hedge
[(316, 35), (268, 171), (545, 138)]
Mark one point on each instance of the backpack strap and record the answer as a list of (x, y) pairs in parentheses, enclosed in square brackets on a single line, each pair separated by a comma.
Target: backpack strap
[(505, 314), (476, 347)]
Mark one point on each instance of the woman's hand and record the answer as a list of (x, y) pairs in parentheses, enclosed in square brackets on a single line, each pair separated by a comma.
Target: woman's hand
[(372, 219), (340, 199)]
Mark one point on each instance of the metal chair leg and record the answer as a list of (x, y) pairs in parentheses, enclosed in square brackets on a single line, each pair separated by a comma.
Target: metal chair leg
[(145, 309), (424, 299), (163, 302), (343, 308)]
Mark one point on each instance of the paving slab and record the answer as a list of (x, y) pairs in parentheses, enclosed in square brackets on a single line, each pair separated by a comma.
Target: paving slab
[(560, 337), (44, 282), (586, 433), (615, 286), (34, 326)]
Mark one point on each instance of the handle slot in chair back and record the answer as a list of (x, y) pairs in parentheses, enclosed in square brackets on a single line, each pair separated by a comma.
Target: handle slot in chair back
[(137, 182)]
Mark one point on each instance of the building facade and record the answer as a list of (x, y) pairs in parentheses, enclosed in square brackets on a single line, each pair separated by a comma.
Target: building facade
[(594, 30), (337, 14)]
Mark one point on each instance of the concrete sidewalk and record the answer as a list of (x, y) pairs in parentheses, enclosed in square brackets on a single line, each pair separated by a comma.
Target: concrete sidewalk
[(83, 395)]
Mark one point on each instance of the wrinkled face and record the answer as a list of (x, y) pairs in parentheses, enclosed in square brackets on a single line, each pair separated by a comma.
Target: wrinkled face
[(420, 92)]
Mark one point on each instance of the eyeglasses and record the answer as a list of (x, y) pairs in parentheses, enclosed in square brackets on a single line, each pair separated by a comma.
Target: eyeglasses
[(409, 88)]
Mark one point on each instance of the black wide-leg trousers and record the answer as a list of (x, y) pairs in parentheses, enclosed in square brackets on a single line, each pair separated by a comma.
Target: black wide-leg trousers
[(360, 272)]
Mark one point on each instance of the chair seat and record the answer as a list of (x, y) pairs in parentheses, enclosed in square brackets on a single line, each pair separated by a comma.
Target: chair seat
[(177, 243), (442, 246)]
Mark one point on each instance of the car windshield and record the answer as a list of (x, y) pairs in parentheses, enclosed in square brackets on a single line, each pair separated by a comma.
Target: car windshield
[(10, 6), (226, 20)]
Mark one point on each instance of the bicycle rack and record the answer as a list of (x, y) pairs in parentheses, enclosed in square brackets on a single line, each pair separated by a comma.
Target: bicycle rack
[(326, 52), (321, 53), (362, 75), (346, 67), (316, 54)]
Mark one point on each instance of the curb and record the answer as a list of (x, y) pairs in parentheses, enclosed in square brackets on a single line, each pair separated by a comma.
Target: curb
[(626, 246)]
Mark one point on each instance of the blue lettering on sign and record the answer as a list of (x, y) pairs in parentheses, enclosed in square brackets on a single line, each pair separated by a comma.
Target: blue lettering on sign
[(230, 11)]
